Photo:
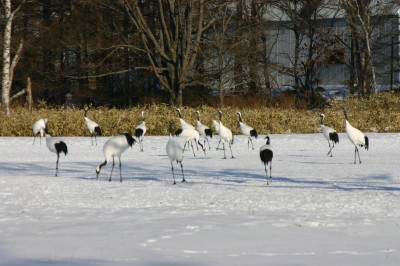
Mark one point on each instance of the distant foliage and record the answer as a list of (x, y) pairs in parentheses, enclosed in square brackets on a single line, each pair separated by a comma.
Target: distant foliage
[(379, 113)]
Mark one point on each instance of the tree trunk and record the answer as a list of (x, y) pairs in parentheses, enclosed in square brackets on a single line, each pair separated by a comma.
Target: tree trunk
[(8, 66), (5, 84), (29, 94)]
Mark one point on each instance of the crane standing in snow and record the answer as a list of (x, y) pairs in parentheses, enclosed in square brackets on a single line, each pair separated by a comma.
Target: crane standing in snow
[(266, 155), (189, 134), (203, 130), (39, 127), (225, 135), (55, 145), (175, 153), (115, 146), (93, 127), (356, 137), (330, 135), (247, 130), (140, 131)]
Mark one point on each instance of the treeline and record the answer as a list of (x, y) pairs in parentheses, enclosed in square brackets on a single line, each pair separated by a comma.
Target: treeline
[(123, 53)]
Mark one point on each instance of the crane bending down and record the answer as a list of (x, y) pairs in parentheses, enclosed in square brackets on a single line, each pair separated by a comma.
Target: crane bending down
[(115, 146), (93, 127)]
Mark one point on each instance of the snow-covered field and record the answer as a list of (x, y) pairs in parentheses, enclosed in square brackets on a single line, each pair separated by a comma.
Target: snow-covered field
[(317, 211)]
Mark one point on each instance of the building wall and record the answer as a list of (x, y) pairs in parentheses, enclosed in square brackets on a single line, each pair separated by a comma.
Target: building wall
[(385, 44)]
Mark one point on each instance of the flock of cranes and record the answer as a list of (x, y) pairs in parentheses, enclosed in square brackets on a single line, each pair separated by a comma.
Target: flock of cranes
[(116, 145)]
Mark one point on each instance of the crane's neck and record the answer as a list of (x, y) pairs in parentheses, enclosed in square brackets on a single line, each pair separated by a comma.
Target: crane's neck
[(198, 116), (322, 120), (345, 115), (143, 119), (240, 117)]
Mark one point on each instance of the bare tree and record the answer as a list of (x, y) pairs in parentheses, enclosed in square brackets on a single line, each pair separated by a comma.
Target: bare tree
[(8, 65), (358, 15), (171, 36)]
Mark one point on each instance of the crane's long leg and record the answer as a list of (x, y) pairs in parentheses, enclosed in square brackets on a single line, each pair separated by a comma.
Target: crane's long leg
[(358, 152), (120, 169), (266, 172), (223, 146), (141, 144), (218, 144), (191, 143), (112, 168), (230, 147), (206, 139), (95, 139), (270, 172), (173, 175), (250, 141), (330, 149), (183, 176), (58, 158), (184, 146)]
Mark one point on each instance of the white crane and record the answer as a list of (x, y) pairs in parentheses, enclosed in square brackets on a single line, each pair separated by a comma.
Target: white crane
[(203, 130), (55, 145), (216, 127), (330, 135), (140, 131), (189, 134), (184, 124), (93, 127), (39, 127), (356, 137), (175, 153), (115, 146), (225, 135), (266, 155), (247, 131)]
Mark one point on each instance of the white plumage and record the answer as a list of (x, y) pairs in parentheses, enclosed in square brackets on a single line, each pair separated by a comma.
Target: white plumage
[(266, 155), (39, 128), (203, 130), (247, 131), (330, 135), (140, 131), (57, 146), (93, 127), (356, 137), (216, 127), (225, 135), (175, 153), (189, 134), (115, 146), (184, 124)]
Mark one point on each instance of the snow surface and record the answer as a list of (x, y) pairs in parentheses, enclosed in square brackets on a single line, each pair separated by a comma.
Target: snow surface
[(317, 211)]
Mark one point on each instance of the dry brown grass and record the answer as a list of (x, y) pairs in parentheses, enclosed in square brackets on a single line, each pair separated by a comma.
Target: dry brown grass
[(379, 113)]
